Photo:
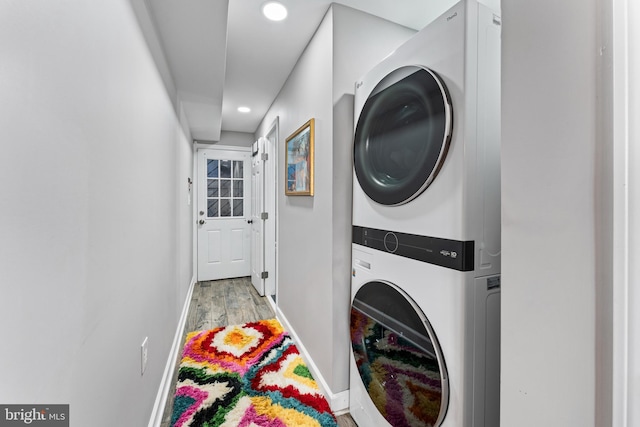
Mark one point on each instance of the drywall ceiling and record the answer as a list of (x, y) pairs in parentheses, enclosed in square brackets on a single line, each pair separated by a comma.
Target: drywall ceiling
[(223, 54)]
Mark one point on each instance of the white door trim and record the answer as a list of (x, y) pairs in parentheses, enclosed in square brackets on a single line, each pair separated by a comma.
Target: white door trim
[(271, 206), (634, 208), (257, 221), (626, 208)]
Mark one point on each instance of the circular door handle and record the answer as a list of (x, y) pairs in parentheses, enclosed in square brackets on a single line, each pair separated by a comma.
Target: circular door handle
[(201, 222), (249, 221)]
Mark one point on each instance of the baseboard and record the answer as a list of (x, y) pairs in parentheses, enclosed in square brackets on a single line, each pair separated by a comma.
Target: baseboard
[(165, 383), (339, 402), (272, 303)]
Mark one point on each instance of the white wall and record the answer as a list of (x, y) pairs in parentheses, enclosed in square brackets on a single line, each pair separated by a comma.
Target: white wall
[(236, 139), (360, 41), (304, 239), (549, 126), (357, 47), (230, 139), (185, 200), (604, 225), (147, 25), (314, 232), (93, 211)]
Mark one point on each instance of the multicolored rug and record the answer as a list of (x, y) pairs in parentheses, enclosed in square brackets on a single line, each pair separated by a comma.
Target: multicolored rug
[(247, 375)]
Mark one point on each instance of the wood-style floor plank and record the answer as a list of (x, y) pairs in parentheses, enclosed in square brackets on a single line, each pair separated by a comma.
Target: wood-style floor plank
[(221, 303), (346, 421)]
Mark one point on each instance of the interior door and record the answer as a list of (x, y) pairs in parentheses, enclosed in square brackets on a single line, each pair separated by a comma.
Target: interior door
[(270, 147), (257, 223), (223, 214)]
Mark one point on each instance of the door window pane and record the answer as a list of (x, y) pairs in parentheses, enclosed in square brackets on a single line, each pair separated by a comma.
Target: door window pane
[(225, 188), (238, 207), (212, 188), (225, 207), (212, 205), (237, 188), (237, 169), (225, 168), (212, 168)]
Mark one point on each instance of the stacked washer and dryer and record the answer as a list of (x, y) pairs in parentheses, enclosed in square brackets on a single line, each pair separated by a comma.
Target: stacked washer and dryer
[(425, 289)]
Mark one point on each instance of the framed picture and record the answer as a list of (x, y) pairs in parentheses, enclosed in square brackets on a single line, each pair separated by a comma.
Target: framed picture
[(299, 161)]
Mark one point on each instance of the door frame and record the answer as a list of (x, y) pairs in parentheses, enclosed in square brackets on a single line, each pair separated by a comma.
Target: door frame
[(271, 206), (626, 208), (257, 221)]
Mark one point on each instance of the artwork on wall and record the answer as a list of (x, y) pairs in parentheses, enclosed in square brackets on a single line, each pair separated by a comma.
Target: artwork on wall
[(299, 161)]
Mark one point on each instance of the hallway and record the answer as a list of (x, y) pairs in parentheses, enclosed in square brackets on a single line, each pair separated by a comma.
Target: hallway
[(97, 176), (220, 303)]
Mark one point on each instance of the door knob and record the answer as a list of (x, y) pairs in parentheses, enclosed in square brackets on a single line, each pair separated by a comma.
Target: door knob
[(250, 221), (201, 222)]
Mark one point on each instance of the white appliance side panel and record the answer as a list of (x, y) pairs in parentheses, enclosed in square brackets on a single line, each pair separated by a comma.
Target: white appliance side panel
[(486, 377), (483, 96)]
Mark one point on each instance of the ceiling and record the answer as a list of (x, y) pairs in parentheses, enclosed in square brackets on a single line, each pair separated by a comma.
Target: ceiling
[(224, 53)]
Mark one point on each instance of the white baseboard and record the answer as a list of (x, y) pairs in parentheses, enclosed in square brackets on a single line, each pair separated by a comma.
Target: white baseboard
[(165, 383), (339, 402), (272, 303)]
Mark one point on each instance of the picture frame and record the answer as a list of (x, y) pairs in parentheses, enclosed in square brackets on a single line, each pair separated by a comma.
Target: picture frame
[(299, 161)]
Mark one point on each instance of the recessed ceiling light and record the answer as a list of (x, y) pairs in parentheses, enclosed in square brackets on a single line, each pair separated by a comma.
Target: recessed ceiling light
[(274, 11), (244, 109)]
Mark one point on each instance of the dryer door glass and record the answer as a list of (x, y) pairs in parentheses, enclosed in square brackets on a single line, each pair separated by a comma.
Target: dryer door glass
[(398, 356), (402, 135)]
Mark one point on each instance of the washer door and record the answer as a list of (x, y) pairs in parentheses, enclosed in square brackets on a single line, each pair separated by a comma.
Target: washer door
[(398, 356), (402, 135)]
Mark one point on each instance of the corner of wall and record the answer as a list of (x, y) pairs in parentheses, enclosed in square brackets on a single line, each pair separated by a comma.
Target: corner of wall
[(361, 41), (604, 208), (341, 229), (338, 401), (155, 419), (148, 29)]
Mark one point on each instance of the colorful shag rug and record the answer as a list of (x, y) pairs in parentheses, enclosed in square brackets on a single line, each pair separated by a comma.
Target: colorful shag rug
[(247, 375)]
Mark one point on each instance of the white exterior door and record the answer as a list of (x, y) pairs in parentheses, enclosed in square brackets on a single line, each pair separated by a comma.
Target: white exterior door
[(257, 222), (223, 214)]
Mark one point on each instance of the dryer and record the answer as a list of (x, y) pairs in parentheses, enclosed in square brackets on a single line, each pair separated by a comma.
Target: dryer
[(425, 295), (427, 138)]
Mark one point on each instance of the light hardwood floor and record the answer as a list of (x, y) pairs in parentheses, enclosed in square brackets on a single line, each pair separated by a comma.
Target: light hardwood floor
[(221, 303)]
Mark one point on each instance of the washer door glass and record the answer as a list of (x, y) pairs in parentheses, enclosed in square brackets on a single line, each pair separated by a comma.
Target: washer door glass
[(398, 357), (402, 135)]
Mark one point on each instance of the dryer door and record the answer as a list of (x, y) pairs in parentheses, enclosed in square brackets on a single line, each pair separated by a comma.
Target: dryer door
[(402, 136), (398, 356)]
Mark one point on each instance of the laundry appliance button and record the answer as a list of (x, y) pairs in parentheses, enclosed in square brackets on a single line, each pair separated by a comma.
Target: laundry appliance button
[(391, 242)]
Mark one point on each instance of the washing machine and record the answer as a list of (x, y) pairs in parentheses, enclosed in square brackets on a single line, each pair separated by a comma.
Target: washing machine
[(425, 297), (425, 344)]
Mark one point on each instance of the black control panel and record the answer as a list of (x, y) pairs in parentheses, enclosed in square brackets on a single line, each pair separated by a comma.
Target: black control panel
[(454, 254)]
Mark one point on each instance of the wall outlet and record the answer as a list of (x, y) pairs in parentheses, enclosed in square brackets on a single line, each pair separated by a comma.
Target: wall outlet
[(144, 353)]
